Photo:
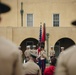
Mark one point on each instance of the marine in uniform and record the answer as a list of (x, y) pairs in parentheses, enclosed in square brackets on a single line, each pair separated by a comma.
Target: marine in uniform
[(66, 63), (62, 49), (27, 53), (52, 52), (10, 58), (31, 68), (42, 59)]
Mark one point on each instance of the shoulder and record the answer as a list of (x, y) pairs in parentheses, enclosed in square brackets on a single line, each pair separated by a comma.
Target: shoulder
[(35, 65), (25, 65), (67, 54), (26, 50)]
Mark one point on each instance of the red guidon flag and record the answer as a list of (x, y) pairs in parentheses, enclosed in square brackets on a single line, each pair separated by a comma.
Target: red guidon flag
[(43, 33)]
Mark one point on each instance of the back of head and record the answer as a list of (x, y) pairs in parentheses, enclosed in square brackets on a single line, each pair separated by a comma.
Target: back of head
[(53, 61), (33, 53), (51, 47), (42, 47)]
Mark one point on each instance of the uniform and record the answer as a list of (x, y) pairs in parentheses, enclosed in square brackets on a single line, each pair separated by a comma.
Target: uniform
[(42, 60), (66, 64), (62, 49), (10, 58), (27, 53), (31, 67), (52, 52)]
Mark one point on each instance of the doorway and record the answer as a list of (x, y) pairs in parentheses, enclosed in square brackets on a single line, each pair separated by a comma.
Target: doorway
[(63, 42), (28, 41)]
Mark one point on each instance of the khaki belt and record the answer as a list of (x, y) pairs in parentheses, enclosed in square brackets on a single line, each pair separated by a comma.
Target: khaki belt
[(30, 74)]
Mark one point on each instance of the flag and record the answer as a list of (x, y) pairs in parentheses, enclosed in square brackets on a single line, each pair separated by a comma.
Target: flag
[(40, 34), (40, 38), (43, 34)]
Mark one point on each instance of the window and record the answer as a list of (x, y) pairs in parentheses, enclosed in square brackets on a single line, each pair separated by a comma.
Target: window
[(56, 20), (29, 20)]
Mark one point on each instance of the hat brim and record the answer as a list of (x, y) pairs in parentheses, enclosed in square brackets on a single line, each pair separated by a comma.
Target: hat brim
[(4, 8), (33, 55), (74, 23)]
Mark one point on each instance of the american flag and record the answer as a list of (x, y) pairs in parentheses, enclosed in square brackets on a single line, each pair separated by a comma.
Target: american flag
[(40, 34), (40, 38)]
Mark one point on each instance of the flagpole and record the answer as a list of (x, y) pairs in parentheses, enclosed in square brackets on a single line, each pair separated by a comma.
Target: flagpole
[(47, 39)]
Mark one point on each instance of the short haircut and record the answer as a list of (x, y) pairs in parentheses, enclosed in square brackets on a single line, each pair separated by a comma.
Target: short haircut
[(53, 61), (42, 46)]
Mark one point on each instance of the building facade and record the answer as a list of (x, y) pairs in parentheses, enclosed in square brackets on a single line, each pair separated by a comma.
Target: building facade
[(22, 23)]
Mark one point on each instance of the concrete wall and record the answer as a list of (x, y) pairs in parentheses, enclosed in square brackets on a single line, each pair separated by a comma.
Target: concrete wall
[(18, 34)]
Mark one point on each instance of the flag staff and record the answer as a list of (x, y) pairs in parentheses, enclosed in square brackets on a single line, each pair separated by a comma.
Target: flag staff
[(47, 39)]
